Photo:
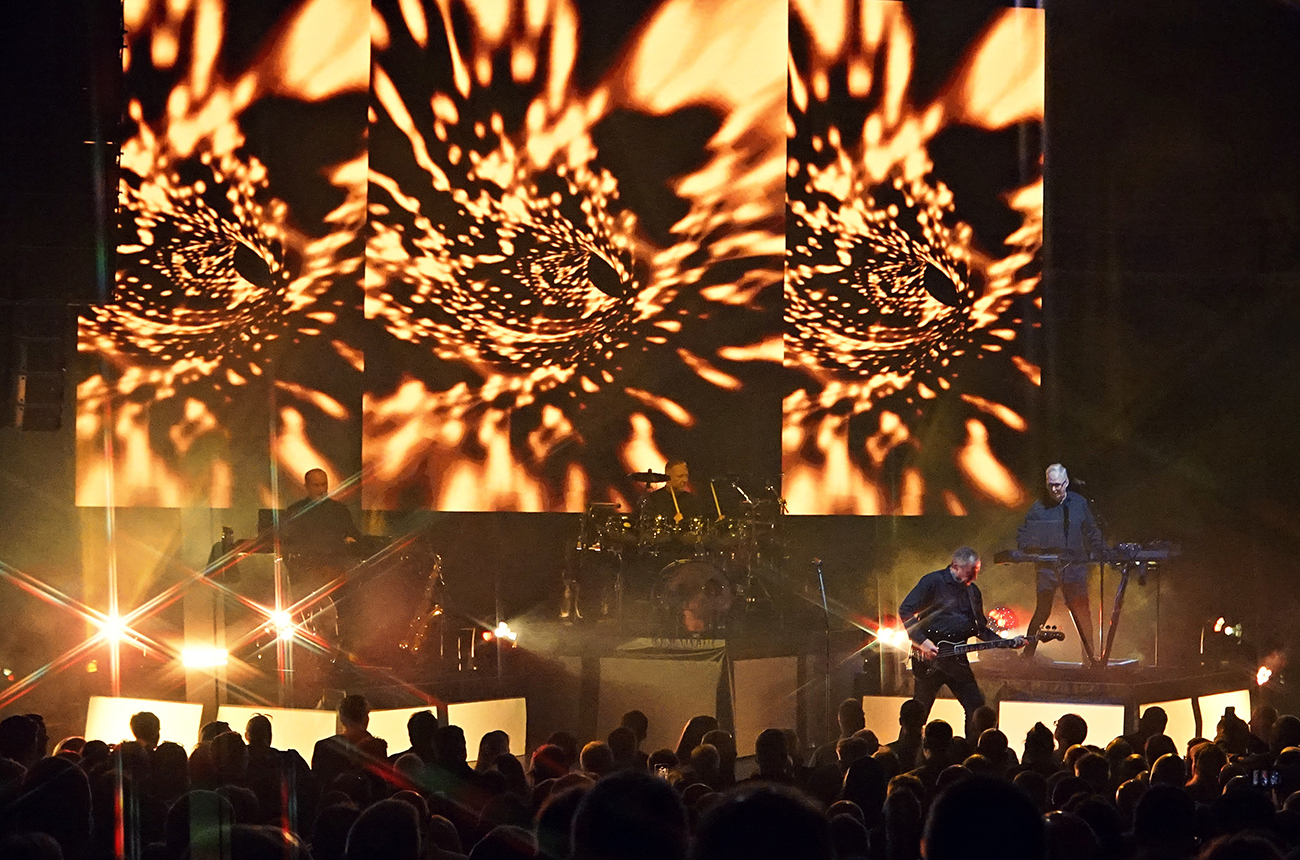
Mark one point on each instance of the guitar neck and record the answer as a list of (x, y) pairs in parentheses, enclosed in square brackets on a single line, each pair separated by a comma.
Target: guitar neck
[(979, 646)]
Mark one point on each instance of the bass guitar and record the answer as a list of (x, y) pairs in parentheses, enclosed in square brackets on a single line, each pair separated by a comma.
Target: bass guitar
[(923, 665)]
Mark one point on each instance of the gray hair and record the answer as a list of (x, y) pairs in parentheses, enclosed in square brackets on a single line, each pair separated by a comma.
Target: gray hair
[(965, 555), (1058, 470)]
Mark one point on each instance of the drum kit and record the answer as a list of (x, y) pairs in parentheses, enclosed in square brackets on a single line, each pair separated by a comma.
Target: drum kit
[(700, 574)]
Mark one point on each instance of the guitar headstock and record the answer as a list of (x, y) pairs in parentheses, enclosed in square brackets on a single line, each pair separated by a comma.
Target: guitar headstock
[(1049, 634)]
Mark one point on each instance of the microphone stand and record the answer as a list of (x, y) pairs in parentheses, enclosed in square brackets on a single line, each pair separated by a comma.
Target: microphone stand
[(826, 619)]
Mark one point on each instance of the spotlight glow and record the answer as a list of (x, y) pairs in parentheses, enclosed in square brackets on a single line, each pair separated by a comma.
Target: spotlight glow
[(113, 629), (502, 634), (1002, 619), (282, 621), (204, 657), (894, 637), (1263, 675)]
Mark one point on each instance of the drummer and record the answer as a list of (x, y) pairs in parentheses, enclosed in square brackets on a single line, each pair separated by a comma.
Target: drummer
[(672, 522), (674, 500)]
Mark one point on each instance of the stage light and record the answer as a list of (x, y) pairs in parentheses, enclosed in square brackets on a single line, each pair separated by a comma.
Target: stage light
[(894, 637), (282, 621), (204, 657), (1002, 619), (1262, 675), (113, 629), (1223, 643), (502, 634)]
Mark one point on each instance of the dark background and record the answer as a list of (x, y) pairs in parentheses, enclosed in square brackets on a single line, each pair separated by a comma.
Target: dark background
[(1169, 320)]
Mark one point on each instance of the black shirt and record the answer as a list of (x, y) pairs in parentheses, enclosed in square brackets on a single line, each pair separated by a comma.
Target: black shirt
[(941, 609), (318, 528), (660, 503), (1068, 524)]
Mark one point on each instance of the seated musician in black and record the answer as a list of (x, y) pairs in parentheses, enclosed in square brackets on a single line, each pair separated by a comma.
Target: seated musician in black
[(671, 516), (946, 606), (674, 497), (1061, 521), (318, 526)]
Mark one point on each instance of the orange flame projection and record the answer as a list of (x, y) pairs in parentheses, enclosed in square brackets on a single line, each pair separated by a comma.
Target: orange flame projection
[(215, 269), (501, 244), (901, 317)]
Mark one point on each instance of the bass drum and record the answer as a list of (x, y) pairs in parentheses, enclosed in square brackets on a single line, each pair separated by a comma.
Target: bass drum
[(696, 596)]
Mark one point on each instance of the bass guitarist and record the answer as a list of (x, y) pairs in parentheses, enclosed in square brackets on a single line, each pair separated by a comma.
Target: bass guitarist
[(946, 606)]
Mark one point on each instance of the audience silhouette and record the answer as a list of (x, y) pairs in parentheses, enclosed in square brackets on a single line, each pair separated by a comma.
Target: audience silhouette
[(928, 795)]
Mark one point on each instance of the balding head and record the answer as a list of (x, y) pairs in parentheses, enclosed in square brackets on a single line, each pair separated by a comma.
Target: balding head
[(317, 483)]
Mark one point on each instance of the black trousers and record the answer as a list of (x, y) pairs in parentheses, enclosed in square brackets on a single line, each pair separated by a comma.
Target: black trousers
[(1076, 600), (954, 672)]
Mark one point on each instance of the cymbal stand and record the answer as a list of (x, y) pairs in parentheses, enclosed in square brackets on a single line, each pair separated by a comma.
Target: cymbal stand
[(619, 583)]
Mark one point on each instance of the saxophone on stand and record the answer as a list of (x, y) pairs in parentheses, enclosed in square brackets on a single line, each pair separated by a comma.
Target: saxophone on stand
[(417, 632)]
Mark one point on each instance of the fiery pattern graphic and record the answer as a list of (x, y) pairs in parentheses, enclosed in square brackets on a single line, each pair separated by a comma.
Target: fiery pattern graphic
[(901, 317), (215, 269), (552, 255), (500, 244)]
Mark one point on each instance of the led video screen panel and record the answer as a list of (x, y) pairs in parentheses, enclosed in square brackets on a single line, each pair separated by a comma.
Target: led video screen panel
[(495, 257), (914, 237)]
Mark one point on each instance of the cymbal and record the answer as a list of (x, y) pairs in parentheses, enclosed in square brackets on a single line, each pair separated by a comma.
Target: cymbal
[(648, 477)]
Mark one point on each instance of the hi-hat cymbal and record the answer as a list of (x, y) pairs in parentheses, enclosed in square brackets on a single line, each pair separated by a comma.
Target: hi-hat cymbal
[(648, 477)]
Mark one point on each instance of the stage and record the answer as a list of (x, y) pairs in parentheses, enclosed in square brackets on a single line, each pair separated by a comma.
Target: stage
[(581, 678)]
